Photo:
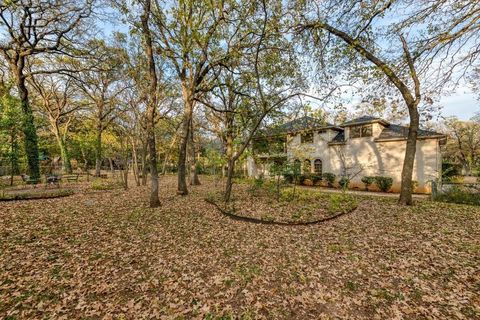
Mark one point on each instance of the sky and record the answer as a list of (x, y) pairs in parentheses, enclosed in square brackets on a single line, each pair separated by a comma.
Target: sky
[(463, 104)]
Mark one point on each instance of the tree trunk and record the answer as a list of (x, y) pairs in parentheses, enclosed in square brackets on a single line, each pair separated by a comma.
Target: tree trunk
[(194, 180), (28, 125), (98, 151), (135, 163), (151, 106), (409, 160), (66, 165), (144, 166), (229, 183), (182, 154)]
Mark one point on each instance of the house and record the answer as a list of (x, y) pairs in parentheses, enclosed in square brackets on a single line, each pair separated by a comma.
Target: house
[(365, 146)]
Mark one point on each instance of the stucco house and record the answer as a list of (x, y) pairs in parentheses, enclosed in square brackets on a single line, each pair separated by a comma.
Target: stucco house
[(365, 146)]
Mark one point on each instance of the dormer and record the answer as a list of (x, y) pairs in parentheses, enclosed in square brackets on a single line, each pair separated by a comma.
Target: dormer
[(364, 127)]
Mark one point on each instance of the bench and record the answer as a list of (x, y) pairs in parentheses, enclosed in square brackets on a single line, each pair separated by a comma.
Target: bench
[(71, 177), (52, 179), (28, 180)]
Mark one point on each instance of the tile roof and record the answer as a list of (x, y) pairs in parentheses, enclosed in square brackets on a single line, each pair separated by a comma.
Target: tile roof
[(394, 131)]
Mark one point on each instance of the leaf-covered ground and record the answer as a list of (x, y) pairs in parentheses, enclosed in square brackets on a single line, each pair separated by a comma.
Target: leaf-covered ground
[(105, 254)]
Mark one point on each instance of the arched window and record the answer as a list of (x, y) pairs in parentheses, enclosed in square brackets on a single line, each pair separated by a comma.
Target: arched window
[(307, 166), (317, 166)]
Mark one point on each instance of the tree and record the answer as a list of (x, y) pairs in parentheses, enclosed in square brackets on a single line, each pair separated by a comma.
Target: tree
[(188, 36), (10, 118), (100, 81), (56, 97), (151, 101), (34, 29), (258, 79), (409, 60), (464, 143)]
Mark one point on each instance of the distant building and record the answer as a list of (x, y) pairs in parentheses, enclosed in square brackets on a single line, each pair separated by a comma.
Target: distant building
[(367, 145)]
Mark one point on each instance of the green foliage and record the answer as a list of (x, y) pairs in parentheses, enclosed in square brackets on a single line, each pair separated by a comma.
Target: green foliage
[(291, 172), (458, 194), (10, 129), (344, 182), (450, 170), (101, 184), (315, 178), (341, 203), (367, 181), (383, 183), (329, 177)]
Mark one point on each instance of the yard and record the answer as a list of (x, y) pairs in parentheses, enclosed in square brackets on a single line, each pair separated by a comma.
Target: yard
[(105, 254)]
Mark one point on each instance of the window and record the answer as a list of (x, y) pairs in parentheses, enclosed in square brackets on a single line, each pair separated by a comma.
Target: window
[(317, 166), (307, 137), (307, 166), (361, 131)]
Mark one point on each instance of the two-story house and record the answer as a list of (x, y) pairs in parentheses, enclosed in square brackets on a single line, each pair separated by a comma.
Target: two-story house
[(365, 146)]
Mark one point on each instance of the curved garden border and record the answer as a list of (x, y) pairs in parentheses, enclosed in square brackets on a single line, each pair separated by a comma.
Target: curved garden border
[(38, 196), (278, 223)]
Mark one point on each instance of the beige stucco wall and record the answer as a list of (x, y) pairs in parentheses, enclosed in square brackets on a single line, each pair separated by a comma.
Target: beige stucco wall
[(366, 157)]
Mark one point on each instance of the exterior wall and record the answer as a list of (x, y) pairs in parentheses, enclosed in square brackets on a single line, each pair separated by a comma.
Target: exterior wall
[(365, 157)]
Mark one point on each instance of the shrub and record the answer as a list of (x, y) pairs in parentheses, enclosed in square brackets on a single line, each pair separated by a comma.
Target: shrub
[(344, 182), (330, 178), (450, 170), (383, 183), (288, 177), (315, 178), (302, 178), (457, 194), (367, 181)]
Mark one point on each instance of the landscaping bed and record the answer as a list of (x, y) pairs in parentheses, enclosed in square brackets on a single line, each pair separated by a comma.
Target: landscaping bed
[(32, 194), (285, 206)]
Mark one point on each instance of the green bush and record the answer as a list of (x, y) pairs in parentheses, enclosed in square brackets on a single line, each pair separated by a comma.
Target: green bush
[(329, 177), (302, 178), (383, 183), (450, 170), (367, 181), (457, 194), (315, 178), (344, 182), (288, 177)]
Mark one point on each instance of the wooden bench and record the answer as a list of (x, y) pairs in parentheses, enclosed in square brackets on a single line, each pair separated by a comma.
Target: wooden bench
[(52, 180), (27, 180), (71, 177)]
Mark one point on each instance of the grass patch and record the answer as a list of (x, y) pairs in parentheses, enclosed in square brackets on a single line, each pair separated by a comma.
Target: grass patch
[(101, 184)]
